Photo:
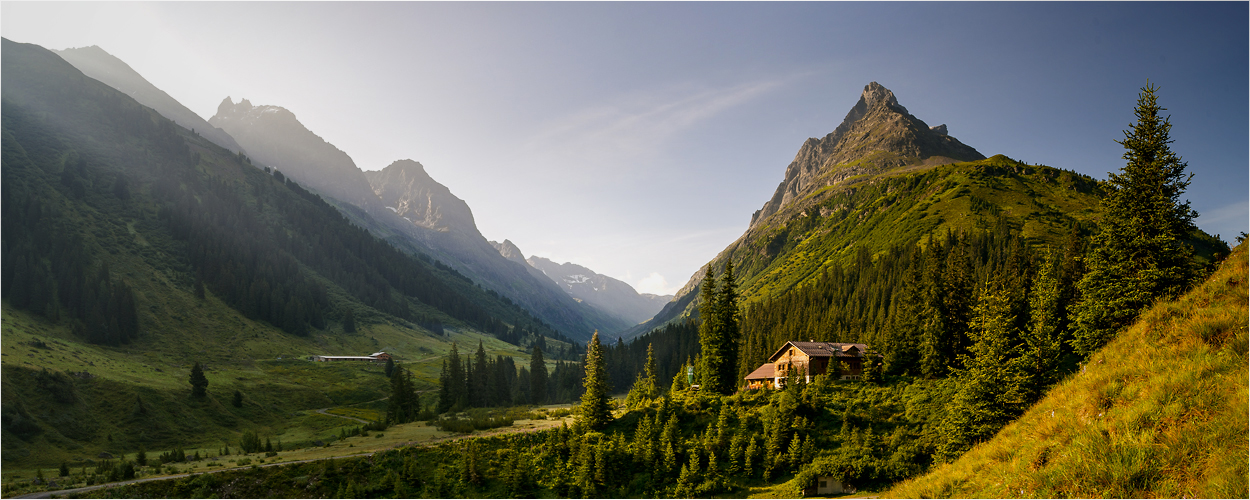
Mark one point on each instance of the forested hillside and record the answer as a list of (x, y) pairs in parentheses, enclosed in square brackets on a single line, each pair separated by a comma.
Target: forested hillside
[(134, 248)]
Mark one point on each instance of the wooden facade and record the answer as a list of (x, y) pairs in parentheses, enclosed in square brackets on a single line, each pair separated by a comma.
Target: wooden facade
[(809, 359)]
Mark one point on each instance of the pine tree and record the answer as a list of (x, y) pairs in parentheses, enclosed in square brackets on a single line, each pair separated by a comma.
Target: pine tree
[(1043, 340), (199, 383), (991, 388), (1138, 255), (237, 400), (650, 375), (444, 390), (481, 378), (349, 320), (595, 413), (398, 404), (711, 341), (730, 333), (538, 376)]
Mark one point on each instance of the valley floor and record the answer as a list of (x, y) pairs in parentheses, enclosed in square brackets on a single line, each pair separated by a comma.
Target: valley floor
[(402, 435)]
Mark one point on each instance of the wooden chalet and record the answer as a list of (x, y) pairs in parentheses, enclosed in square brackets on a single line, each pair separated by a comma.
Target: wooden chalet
[(808, 359)]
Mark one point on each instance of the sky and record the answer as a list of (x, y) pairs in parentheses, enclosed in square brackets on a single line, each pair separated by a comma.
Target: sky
[(637, 139)]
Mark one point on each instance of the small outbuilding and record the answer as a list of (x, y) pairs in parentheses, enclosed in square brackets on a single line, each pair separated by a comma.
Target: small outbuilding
[(377, 357), (827, 485)]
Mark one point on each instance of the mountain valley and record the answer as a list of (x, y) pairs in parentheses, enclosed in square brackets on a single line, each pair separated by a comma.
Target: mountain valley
[(184, 288)]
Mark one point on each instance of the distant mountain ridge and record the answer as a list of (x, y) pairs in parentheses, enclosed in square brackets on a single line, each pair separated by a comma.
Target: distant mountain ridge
[(274, 137), (605, 293), (94, 62), (404, 204)]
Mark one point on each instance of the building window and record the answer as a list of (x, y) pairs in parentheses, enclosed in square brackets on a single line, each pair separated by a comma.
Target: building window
[(823, 485)]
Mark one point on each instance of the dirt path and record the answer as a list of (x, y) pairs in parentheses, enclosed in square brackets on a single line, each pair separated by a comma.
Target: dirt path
[(323, 412)]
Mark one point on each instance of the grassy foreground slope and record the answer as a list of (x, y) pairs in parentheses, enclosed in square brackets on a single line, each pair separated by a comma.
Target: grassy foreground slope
[(1161, 411)]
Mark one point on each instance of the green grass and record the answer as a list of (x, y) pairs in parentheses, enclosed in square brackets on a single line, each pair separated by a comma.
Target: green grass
[(905, 206), (280, 396), (1161, 411)]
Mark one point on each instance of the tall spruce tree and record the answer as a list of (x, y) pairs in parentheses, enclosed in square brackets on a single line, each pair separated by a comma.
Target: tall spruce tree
[(730, 333), (199, 383), (1139, 255), (711, 341), (538, 376), (595, 413), (650, 375), (991, 388)]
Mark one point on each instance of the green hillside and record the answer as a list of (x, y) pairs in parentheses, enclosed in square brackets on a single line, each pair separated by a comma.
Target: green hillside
[(907, 206), (134, 248), (1161, 411)]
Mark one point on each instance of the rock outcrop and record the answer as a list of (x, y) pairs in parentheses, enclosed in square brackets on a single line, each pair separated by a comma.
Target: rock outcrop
[(877, 134)]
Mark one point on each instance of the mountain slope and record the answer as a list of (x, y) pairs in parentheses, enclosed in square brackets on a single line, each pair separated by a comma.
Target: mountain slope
[(604, 292), (1161, 411), (422, 213), (274, 137), (884, 177), (877, 133), (133, 248), (94, 62), (446, 224)]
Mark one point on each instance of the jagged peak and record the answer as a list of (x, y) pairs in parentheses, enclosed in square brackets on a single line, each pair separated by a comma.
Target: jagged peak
[(407, 165), (876, 94)]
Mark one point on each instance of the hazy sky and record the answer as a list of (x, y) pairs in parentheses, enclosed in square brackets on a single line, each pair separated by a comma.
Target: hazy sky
[(638, 138)]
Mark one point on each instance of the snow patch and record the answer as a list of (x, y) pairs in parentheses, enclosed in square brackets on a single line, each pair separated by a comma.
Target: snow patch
[(393, 209)]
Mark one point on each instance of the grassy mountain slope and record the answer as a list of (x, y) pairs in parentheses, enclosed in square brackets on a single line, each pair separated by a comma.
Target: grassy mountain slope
[(1161, 411), (92, 178), (905, 205)]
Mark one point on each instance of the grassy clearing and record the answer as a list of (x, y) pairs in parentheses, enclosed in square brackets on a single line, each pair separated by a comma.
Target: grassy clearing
[(117, 400), (1161, 411)]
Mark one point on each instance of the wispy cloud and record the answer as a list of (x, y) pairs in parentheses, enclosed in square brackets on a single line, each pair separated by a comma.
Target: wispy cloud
[(1227, 221), (636, 127)]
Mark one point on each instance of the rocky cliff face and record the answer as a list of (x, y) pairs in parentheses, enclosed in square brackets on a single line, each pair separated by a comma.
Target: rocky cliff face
[(408, 191), (877, 134), (94, 62)]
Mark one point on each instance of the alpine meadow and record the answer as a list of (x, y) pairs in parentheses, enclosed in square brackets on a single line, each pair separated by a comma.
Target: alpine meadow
[(231, 307)]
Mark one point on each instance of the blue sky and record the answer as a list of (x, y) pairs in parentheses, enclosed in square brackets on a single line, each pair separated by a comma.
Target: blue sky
[(637, 138)]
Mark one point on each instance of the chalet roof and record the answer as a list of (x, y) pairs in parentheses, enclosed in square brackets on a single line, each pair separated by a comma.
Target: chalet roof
[(376, 354), (823, 349), (765, 371)]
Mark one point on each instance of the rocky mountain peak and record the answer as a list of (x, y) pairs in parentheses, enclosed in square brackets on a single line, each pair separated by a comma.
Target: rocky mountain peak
[(510, 251), (876, 94), (877, 134), (407, 190)]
